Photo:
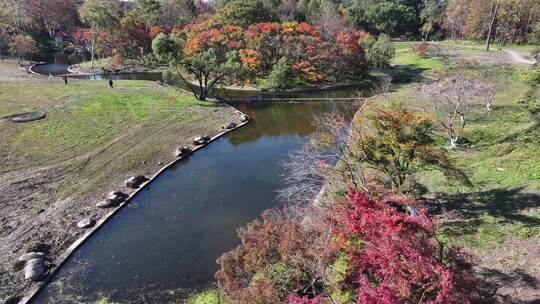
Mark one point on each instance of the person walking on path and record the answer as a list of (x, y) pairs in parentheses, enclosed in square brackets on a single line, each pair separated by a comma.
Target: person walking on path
[(111, 83), (65, 79)]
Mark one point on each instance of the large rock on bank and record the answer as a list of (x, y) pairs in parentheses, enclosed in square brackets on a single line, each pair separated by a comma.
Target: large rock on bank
[(31, 255), (136, 181), (86, 223), (34, 269)]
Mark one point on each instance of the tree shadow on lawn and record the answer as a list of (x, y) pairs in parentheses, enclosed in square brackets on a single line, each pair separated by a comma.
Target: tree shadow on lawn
[(478, 218), (503, 204), (502, 286), (405, 74)]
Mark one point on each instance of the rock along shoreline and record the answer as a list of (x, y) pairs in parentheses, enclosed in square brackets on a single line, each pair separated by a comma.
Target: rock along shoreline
[(100, 223)]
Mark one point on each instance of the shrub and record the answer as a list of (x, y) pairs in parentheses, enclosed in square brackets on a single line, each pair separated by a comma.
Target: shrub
[(211, 296), (527, 232), (277, 256), (381, 53), (170, 78), (358, 248), (37, 247), (18, 265), (395, 261), (116, 60), (532, 96), (531, 77), (426, 49), (281, 76)]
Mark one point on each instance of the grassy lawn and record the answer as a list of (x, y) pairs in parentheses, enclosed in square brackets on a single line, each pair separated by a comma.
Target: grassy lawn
[(497, 220), (83, 114), (56, 169), (480, 45), (499, 151)]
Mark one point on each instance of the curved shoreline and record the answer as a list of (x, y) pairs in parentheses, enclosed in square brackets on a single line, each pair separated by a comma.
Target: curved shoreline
[(70, 251), (30, 69), (307, 89), (72, 69), (101, 222)]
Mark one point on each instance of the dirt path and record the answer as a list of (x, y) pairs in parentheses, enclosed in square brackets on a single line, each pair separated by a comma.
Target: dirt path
[(517, 58)]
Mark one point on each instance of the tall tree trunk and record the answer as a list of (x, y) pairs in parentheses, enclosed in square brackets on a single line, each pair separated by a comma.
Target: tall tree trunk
[(494, 10), (92, 48)]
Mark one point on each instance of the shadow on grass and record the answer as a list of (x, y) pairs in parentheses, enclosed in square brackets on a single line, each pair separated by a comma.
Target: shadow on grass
[(512, 283), (504, 204), (479, 218), (405, 74), (483, 220)]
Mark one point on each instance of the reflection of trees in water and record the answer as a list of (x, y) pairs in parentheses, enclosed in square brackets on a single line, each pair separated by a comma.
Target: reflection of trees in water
[(282, 119)]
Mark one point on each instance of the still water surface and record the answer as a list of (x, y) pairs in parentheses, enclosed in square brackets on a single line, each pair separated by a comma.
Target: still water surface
[(170, 236)]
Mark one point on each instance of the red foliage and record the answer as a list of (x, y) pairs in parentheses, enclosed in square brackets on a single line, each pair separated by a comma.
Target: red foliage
[(308, 71), (22, 45), (82, 35), (350, 41), (426, 49), (202, 23), (134, 37), (273, 250), (224, 38), (393, 258), (266, 39)]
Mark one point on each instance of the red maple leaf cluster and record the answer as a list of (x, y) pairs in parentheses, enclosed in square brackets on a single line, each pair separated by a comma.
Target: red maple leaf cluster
[(393, 256)]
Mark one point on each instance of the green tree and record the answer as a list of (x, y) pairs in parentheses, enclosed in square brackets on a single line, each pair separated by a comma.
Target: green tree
[(281, 75), (15, 16), (243, 12), (398, 144), (432, 16), (392, 17), (98, 14), (381, 53), (309, 8), (177, 12), (209, 65), (148, 11)]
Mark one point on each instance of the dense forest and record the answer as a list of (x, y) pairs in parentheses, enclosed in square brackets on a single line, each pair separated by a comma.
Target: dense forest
[(271, 43), (512, 21)]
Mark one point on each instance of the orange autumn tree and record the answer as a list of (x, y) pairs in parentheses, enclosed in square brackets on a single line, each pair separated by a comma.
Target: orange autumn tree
[(208, 57), (22, 45), (304, 55)]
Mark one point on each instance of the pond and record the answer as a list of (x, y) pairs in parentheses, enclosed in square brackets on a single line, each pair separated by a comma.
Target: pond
[(165, 243), (58, 64)]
